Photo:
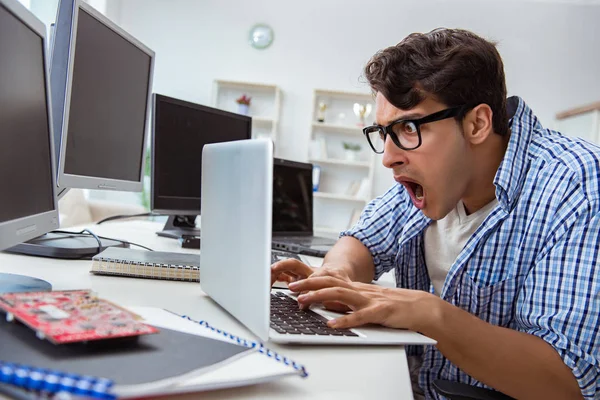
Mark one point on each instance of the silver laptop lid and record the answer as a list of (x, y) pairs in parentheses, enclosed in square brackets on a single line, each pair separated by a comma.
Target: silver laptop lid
[(236, 203)]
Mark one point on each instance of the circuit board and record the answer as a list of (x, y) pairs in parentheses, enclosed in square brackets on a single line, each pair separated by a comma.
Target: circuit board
[(72, 316)]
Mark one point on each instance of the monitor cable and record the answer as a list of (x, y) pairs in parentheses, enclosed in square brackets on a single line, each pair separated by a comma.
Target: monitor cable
[(114, 217), (86, 232)]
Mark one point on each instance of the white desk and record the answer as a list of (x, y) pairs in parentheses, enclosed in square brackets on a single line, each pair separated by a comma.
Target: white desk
[(336, 372)]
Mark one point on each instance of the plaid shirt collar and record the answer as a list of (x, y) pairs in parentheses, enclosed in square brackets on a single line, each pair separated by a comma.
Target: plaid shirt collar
[(513, 169)]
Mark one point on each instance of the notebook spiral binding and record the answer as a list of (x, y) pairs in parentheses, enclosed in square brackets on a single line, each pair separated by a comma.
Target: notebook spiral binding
[(251, 344), (141, 269), (52, 382)]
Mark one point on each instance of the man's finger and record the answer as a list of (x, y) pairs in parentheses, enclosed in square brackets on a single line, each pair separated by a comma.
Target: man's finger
[(342, 295), (293, 266), (319, 282), (289, 278), (335, 306), (289, 271), (357, 318)]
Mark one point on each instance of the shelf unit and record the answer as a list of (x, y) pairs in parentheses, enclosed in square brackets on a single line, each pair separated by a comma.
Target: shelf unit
[(264, 108), (336, 196), (346, 183), (583, 122), (330, 161)]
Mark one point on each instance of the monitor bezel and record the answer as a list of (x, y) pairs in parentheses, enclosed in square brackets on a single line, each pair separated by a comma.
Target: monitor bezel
[(66, 180), (156, 97), (15, 231)]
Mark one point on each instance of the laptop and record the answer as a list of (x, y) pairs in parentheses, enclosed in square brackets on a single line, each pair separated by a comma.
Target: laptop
[(237, 194), (293, 210)]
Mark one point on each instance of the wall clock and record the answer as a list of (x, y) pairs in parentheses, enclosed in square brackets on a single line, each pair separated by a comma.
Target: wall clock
[(261, 36)]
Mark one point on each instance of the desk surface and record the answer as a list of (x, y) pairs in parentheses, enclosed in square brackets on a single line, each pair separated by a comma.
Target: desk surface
[(335, 371)]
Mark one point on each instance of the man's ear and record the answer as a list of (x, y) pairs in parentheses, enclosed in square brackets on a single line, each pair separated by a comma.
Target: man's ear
[(477, 124)]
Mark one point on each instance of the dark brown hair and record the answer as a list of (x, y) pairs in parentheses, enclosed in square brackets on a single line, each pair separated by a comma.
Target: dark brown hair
[(453, 66)]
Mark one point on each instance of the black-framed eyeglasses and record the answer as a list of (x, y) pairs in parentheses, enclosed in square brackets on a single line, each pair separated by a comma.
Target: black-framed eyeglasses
[(406, 133)]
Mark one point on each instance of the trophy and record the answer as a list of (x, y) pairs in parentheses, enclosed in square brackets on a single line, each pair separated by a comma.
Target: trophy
[(321, 113), (362, 111)]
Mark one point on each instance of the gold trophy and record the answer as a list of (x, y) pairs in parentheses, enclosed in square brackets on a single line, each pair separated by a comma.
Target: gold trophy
[(321, 113), (362, 111)]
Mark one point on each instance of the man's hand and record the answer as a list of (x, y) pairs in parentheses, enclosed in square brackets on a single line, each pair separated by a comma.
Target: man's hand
[(371, 304), (291, 271)]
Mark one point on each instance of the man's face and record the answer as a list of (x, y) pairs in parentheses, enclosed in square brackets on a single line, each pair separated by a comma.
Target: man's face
[(436, 174)]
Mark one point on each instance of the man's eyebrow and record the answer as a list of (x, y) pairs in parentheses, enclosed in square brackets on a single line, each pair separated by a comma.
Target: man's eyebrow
[(404, 117)]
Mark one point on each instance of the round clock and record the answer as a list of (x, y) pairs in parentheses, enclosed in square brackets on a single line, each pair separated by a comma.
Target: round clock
[(261, 36)]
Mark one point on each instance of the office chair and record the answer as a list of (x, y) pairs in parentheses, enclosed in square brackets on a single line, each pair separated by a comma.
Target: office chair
[(462, 391)]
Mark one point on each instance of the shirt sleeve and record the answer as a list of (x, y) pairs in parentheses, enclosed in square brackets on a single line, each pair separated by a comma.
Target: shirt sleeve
[(560, 300), (379, 227)]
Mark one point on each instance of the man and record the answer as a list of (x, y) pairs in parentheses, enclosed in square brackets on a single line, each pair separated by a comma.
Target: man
[(492, 228)]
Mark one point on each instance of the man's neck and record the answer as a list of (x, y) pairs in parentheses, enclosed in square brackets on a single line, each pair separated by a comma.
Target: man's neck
[(481, 190)]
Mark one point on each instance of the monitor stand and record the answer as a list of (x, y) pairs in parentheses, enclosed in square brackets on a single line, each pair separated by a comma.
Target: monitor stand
[(63, 245), (11, 283), (178, 226)]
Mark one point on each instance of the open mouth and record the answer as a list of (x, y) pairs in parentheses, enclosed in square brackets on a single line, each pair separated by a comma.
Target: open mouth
[(416, 192)]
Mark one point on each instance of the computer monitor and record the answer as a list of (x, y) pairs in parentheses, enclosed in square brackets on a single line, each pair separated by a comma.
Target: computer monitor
[(101, 79), (292, 198), (180, 129), (105, 107), (28, 204)]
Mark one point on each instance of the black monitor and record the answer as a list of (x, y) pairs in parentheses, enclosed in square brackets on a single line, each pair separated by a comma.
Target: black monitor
[(101, 79), (28, 204), (180, 129), (292, 198)]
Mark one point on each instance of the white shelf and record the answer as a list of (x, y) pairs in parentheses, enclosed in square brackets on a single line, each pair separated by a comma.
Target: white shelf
[(263, 120), (264, 108), (345, 95), (335, 128), (338, 175), (265, 136), (360, 164), (335, 196), (245, 85)]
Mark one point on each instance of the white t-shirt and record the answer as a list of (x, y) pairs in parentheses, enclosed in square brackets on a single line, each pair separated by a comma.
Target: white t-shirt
[(445, 239)]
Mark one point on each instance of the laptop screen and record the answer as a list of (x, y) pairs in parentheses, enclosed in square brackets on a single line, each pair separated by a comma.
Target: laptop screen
[(292, 198)]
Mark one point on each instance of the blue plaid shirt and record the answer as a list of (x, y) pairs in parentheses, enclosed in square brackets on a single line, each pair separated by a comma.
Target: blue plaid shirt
[(531, 266)]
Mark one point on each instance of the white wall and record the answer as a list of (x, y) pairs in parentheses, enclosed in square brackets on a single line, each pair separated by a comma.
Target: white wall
[(45, 10), (551, 50)]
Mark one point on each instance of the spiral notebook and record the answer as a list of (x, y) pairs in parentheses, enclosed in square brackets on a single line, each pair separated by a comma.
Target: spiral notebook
[(147, 264), (187, 356)]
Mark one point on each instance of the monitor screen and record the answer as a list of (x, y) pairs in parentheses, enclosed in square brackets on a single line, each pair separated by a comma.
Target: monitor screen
[(109, 97), (25, 149), (292, 197), (181, 129)]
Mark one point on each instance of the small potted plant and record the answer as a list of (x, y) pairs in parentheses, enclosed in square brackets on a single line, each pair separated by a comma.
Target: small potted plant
[(243, 104), (351, 151)]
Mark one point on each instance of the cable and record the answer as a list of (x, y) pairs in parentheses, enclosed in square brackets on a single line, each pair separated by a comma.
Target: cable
[(129, 243), (95, 237), (84, 231), (114, 217)]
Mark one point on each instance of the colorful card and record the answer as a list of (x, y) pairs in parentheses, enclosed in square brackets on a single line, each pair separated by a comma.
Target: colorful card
[(72, 316)]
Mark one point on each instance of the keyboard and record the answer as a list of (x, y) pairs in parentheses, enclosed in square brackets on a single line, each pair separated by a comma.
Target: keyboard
[(277, 255), (287, 318)]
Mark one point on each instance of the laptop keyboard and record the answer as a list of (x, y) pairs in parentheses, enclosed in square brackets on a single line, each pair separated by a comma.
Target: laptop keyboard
[(277, 255), (287, 318)]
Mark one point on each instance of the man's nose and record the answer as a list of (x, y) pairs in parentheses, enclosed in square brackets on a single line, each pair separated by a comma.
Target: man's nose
[(392, 154)]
